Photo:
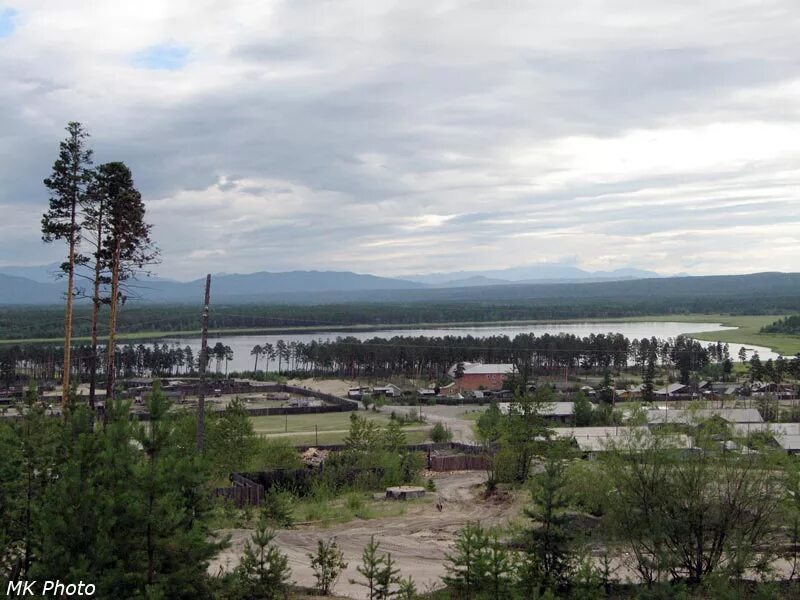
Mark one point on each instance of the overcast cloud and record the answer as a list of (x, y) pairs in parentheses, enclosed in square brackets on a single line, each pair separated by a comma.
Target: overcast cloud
[(412, 136)]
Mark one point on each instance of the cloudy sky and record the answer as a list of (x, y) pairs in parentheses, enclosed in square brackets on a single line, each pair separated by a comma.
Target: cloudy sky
[(398, 137)]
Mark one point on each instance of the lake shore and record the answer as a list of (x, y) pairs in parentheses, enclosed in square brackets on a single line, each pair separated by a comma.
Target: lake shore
[(747, 330)]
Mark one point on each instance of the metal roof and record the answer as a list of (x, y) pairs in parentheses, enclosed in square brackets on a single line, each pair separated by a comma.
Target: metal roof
[(684, 416), (788, 442), (552, 409), (489, 369)]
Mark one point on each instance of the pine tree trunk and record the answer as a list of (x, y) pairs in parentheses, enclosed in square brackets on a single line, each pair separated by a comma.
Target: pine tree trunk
[(112, 323), (65, 383), (95, 312)]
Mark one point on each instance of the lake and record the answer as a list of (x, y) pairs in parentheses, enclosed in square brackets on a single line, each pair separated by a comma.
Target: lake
[(242, 344)]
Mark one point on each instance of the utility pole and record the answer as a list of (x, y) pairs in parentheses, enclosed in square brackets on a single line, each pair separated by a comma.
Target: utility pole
[(201, 396)]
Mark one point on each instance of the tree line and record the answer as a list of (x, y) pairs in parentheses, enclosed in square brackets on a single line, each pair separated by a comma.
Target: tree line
[(789, 325), (412, 356)]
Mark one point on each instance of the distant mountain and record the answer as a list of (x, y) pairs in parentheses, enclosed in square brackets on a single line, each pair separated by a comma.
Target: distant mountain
[(476, 280), (550, 272), (40, 273), (19, 290), (252, 287)]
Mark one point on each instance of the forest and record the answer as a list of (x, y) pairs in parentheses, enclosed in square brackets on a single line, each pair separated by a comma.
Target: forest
[(28, 322)]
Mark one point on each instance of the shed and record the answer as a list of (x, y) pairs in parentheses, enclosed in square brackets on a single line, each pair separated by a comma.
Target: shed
[(404, 492)]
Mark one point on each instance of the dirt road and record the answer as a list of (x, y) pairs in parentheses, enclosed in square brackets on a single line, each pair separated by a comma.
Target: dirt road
[(449, 416), (418, 540)]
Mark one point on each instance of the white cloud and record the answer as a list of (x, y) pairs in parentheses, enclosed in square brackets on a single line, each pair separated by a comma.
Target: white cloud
[(398, 137)]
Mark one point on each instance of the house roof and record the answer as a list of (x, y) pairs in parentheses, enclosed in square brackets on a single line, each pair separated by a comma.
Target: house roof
[(489, 369), (683, 416), (602, 443), (551, 409), (788, 442), (672, 388), (587, 432), (775, 428)]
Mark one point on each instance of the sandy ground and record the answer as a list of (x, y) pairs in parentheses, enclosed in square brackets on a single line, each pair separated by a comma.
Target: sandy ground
[(418, 540), (337, 387)]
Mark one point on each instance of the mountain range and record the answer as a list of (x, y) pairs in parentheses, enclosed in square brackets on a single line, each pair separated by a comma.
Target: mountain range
[(41, 285), (540, 273)]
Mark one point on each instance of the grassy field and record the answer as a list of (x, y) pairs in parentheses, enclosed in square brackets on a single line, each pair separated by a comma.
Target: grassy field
[(747, 332), (332, 428)]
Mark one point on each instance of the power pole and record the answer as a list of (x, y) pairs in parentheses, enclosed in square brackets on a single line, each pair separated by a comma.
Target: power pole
[(201, 396)]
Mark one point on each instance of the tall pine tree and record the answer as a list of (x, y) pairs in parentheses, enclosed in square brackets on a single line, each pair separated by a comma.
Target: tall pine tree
[(127, 247), (67, 184)]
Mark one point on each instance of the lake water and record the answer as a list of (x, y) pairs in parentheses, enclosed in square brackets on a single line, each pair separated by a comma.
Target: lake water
[(242, 344)]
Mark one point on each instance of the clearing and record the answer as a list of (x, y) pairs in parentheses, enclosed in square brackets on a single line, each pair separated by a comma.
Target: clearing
[(418, 539)]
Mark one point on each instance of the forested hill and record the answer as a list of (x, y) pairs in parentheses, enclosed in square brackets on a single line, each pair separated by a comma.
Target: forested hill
[(228, 287), (764, 293), (780, 290), (761, 287)]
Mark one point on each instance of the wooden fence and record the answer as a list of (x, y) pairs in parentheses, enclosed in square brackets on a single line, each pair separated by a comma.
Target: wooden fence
[(458, 462), (243, 492)]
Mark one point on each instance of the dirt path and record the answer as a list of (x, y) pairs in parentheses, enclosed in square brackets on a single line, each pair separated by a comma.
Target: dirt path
[(418, 540)]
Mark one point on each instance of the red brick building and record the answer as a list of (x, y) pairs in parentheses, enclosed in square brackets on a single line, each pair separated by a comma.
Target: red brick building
[(483, 377)]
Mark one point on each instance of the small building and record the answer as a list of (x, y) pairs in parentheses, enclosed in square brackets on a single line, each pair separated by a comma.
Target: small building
[(358, 392), (388, 391), (776, 390), (404, 492)]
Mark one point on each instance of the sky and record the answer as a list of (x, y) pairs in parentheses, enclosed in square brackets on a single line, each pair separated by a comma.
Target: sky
[(413, 136)]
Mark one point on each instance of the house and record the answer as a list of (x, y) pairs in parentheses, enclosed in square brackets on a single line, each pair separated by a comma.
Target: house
[(631, 393), (595, 440), (484, 377), (389, 391), (553, 412), (674, 391), (777, 390)]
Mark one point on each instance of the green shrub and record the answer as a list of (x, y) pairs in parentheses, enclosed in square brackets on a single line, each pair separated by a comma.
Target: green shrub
[(440, 435)]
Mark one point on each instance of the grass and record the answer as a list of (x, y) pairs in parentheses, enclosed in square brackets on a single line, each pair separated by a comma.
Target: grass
[(748, 332), (331, 428), (336, 421), (325, 510), (471, 415)]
